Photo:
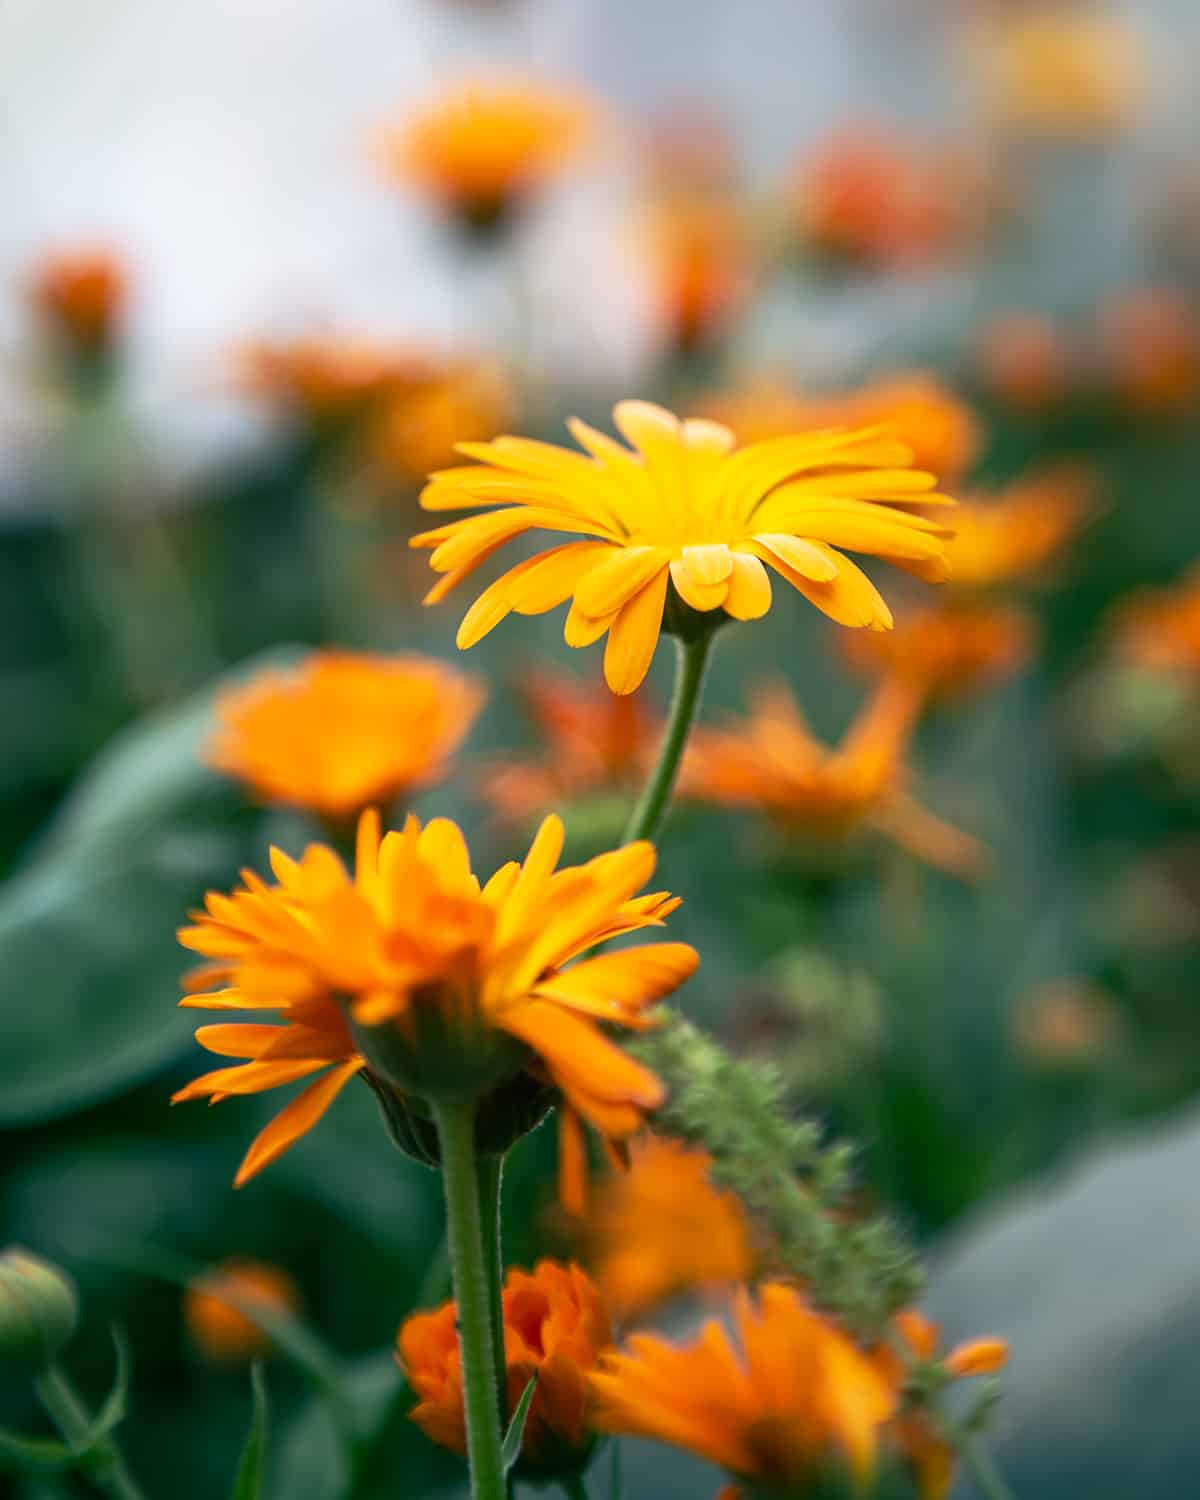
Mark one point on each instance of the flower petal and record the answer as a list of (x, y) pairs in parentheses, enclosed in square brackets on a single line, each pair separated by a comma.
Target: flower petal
[(296, 1120), (749, 596), (633, 636)]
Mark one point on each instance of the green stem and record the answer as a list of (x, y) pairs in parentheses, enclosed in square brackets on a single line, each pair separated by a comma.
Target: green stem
[(691, 661), (107, 1464), (983, 1471), (574, 1487), (491, 1175), (464, 1232)]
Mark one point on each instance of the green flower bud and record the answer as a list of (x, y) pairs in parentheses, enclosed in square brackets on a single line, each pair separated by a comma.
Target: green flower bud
[(39, 1310)]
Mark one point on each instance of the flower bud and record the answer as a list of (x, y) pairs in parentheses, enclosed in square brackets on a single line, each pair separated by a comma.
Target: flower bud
[(39, 1310)]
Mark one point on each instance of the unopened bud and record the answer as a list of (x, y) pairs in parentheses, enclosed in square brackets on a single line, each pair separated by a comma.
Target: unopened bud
[(39, 1310)]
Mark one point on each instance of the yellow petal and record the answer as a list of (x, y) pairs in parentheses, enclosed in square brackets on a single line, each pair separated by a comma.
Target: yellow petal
[(633, 637), (580, 629), (805, 558), (749, 596), (613, 582)]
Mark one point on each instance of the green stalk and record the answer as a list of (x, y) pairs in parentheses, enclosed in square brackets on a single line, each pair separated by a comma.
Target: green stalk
[(691, 662), (464, 1232), (491, 1174), (983, 1471), (107, 1465), (574, 1487)]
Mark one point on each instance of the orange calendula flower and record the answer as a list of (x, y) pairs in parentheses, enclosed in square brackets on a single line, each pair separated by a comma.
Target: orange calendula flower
[(948, 649), (795, 1396), (1024, 359), (772, 761), (697, 257), (932, 1458), (463, 400), (1150, 342), (662, 1228), (343, 730), (1007, 537), (213, 1309), (682, 506), (555, 1326), (414, 971), (483, 147), (323, 379), (82, 294), (1160, 628)]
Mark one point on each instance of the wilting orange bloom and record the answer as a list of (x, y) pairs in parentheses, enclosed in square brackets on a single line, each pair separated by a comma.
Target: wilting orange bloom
[(931, 1456), (793, 1396), (415, 431), (662, 1228), (590, 740), (771, 761), (948, 649), (697, 257), (452, 982), (869, 195), (555, 1326), (1151, 350), (1160, 628), (1007, 537), (1024, 359), (1055, 69), (483, 147), (219, 1326), (343, 730), (82, 294), (683, 506), (322, 378)]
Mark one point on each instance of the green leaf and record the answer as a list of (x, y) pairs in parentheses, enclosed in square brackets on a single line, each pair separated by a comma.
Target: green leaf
[(248, 1482), (511, 1449), (18, 1453), (116, 1403)]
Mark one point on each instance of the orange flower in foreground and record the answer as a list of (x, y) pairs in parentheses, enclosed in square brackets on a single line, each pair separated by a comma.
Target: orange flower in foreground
[(323, 379), (82, 294), (930, 1455), (591, 740), (1024, 359), (948, 649), (1007, 537), (343, 730), (452, 984), (1160, 628), (661, 1228), (916, 407), (555, 1327), (219, 1327), (697, 257), (683, 506), (482, 147), (771, 761), (1151, 348), (797, 1394)]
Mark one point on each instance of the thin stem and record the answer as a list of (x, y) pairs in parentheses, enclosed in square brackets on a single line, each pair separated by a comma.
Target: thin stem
[(574, 1487), (464, 1232), (491, 1175), (984, 1471), (107, 1464), (691, 661)]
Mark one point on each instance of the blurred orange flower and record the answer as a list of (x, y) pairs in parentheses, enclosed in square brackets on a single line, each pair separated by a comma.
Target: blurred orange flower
[(454, 985), (1024, 360), (1065, 1021), (555, 1326), (662, 1228), (1160, 628), (1007, 537), (772, 762), (697, 254), (343, 730), (218, 1326), (795, 1394), (931, 1456), (82, 294), (484, 146), (591, 740), (1151, 350), (948, 649), (684, 506), (322, 378), (459, 400)]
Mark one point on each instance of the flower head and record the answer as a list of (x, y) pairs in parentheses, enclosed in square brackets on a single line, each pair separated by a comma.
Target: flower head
[(459, 400), (771, 761), (215, 1320), (82, 294), (1024, 359), (1007, 537), (343, 730), (697, 257), (661, 1228), (413, 970), (483, 147), (795, 1396), (682, 506), (949, 649), (1159, 629), (322, 380), (555, 1326), (1150, 345)]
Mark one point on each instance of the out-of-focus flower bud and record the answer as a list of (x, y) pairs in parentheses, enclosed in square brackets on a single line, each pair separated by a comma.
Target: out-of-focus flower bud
[(213, 1309), (39, 1310)]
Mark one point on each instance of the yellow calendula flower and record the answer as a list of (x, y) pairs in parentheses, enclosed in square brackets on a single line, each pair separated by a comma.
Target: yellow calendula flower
[(793, 1396), (1010, 536), (213, 1309), (682, 506), (411, 970), (484, 146), (343, 730)]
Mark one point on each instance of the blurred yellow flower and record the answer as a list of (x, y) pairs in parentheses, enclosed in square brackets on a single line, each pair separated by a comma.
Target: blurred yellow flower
[(483, 147), (1025, 361), (218, 1326), (450, 983), (795, 1395), (682, 506), (948, 649), (1160, 628), (771, 761), (1009, 536), (343, 730), (1150, 347), (555, 1326), (82, 295), (661, 1228)]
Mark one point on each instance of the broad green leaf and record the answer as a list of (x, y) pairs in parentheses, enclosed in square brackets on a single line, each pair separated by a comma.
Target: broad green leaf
[(248, 1482), (511, 1449)]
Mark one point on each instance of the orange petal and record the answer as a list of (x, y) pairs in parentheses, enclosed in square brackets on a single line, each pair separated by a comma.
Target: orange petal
[(749, 596), (633, 636), (297, 1119)]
